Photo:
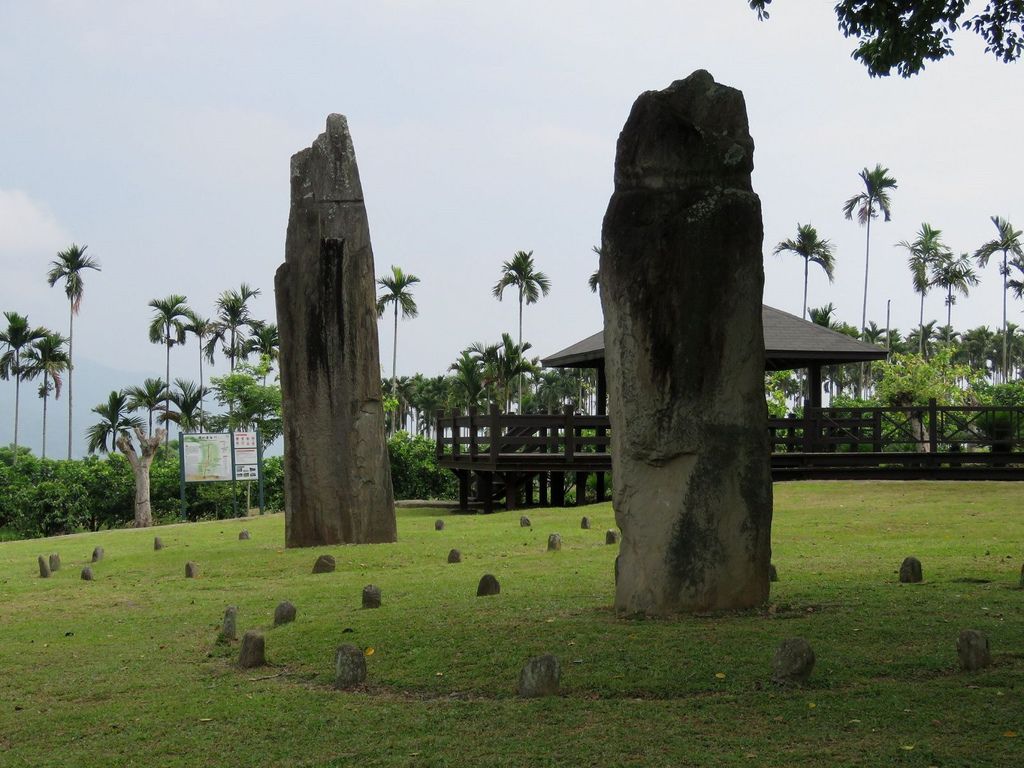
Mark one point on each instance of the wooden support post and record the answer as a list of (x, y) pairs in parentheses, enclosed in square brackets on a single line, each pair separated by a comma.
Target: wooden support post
[(557, 489), (463, 475), (485, 482), (876, 428), (439, 435), (581, 488), (542, 489), (456, 448), (495, 435), (474, 448), (600, 487), (512, 490), (933, 426), (570, 436)]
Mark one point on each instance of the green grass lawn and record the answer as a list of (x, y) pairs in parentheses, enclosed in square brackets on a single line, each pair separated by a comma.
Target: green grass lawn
[(126, 670)]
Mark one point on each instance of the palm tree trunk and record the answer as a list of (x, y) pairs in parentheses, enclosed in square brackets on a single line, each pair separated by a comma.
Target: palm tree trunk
[(17, 401), (167, 391), (46, 390), (920, 325), (202, 414), (394, 374), (1006, 360), (949, 312), (71, 371), (806, 265), (864, 305), (520, 348)]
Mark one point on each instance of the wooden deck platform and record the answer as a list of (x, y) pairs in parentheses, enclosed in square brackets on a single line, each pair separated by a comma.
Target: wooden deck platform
[(556, 452)]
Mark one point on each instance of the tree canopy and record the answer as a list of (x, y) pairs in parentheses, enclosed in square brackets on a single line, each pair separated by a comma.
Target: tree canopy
[(906, 34)]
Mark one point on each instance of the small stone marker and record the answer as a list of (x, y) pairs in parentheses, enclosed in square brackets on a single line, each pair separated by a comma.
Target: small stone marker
[(97, 554), (54, 562), (488, 586), (972, 648), (524, 521), (910, 571), (243, 535), (585, 523), (611, 536), (284, 613), (229, 629), (773, 575), (44, 568), (349, 666), (455, 556), (371, 596), (439, 525), (324, 564), (158, 543), (541, 676), (87, 573), (554, 543), (191, 570), (793, 661), (252, 651)]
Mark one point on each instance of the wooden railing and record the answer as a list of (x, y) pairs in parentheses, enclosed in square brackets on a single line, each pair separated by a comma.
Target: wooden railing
[(494, 440), (927, 429)]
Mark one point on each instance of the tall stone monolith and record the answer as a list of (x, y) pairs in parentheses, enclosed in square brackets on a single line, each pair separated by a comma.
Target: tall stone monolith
[(337, 479), (681, 280)]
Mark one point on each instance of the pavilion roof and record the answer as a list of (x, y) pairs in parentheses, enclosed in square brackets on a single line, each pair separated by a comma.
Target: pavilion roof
[(789, 342)]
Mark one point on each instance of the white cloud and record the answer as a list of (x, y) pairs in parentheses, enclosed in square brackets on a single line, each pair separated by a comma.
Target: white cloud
[(27, 227)]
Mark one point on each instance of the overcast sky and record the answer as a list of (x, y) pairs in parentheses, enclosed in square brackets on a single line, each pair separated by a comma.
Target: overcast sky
[(160, 134)]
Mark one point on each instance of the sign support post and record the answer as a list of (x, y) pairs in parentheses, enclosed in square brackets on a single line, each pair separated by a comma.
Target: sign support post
[(259, 468)]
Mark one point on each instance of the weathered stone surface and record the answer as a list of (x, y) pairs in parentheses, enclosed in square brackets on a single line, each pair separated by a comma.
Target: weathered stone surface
[(349, 666), (585, 523), (97, 554), (158, 543), (524, 522), (611, 536), (793, 661), (488, 586), (371, 596), (44, 568), (229, 627), (455, 556), (324, 564), (337, 477), (439, 525), (243, 535), (54, 562), (554, 542), (773, 574), (87, 573), (972, 650), (253, 650), (191, 570), (910, 571), (540, 676), (284, 613), (681, 282)]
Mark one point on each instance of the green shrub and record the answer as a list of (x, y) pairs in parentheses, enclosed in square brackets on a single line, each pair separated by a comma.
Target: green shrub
[(414, 470)]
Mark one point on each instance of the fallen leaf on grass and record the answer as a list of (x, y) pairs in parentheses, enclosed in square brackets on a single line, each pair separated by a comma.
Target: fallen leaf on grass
[(1010, 734), (811, 705), (720, 675), (369, 651), (907, 747), (205, 719)]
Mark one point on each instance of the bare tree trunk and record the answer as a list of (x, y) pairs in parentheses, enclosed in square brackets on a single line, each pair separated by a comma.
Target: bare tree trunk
[(17, 403), (140, 470), (71, 373), (46, 392)]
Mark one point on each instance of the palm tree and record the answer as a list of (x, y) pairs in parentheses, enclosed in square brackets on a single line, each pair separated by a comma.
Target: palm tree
[(823, 316), (265, 341), (396, 291), (148, 397), (116, 426), (530, 284), (812, 250), (47, 356), (201, 327), (15, 340), (68, 266), (925, 253), (1007, 242), (233, 317), (167, 327), (867, 205), (594, 281), (188, 397), (468, 382), (954, 275)]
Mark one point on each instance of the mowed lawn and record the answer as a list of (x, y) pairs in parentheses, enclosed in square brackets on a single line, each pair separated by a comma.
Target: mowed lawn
[(126, 670)]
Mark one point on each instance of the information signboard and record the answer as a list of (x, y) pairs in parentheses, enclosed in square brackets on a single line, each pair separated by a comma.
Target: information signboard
[(207, 457)]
